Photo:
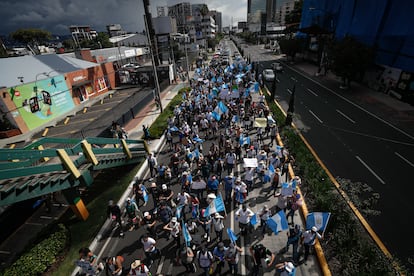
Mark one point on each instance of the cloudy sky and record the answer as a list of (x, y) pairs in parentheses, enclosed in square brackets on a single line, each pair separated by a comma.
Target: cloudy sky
[(56, 15)]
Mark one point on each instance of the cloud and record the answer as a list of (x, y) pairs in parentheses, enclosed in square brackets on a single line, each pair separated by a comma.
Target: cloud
[(56, 15)]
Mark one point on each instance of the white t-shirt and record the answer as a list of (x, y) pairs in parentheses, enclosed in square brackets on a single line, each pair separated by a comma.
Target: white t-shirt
[(149, 245), (141, 270), (244, 216)]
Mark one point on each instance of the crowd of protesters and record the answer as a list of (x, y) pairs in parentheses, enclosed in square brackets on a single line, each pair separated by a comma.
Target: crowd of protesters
[(217, 126)]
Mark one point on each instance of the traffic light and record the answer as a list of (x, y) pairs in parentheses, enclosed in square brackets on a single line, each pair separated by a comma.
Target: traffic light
[(47, 99), (34, 104)]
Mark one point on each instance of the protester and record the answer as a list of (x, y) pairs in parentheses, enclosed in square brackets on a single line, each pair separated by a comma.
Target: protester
[(308, 240), (205, 259), (232, 257), (259, 252), (139, 269), (219, 253), (113, 265)]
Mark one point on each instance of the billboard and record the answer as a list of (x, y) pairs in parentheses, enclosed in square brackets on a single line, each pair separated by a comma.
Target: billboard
[(51, 95)]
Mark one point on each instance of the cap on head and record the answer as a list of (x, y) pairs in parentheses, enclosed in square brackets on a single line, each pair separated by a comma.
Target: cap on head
[(146, 214), (128, 199), (314, 229), (174, 219), (164, 186)]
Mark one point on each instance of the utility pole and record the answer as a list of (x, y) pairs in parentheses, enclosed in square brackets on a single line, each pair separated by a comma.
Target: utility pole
[(150, 31), (154, 66)]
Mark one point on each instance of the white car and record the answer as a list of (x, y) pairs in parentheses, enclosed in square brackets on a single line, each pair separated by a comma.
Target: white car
[(277, 66), (268, 75)]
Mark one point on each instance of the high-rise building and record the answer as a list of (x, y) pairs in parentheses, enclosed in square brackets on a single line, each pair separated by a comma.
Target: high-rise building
[(181, 12), (283, 8), (260, 12), (217, 18)]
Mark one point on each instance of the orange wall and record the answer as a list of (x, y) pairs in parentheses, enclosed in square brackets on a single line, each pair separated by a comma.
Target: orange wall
[(7, 105)]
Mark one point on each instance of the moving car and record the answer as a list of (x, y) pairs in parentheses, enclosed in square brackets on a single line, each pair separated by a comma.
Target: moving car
[(268, 75)]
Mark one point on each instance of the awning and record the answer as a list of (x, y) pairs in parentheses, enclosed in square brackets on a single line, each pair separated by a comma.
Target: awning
[(82, 83)]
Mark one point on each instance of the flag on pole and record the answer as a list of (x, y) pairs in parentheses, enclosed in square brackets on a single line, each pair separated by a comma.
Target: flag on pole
[(186, 234), (144, 193), (216, 205), (253, 220), (232, 235), (269, 173), (318, 219), (278, 222)]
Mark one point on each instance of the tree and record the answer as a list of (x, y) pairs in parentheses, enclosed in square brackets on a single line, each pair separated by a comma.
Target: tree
[(293, 18), (31, 37), (290, 47), (349, 59)]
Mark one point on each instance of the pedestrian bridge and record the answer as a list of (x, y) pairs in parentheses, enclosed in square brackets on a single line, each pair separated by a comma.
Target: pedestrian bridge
[(53, 164)]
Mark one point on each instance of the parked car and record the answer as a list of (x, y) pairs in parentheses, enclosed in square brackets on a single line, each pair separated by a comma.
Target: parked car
[(268, 75), (277, 66), (131, 66)]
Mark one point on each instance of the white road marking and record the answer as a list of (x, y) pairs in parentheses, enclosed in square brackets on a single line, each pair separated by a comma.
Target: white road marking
[(352, 121), (292, 78), (160, 265), (34, 223), (316, 95), (5, 252), (354, 104), (317, 118), (403, 158), (370, 170), (289, 91)]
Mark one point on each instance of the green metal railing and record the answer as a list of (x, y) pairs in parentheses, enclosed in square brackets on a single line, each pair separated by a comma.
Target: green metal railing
[(52, 164)]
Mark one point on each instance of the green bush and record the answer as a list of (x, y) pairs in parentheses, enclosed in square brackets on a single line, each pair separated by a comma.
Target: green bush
[(158, 128), (41, 256)]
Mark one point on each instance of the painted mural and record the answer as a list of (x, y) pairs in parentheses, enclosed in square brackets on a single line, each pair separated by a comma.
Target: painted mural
[(51, 95)]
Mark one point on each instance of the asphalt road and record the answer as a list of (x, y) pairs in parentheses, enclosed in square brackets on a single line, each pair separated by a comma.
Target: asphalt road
[(356, 142), (96, 121)]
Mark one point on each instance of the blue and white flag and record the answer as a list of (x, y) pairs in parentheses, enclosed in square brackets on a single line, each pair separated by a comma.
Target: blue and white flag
[(253, 220), (222, 107), (186, 234), (246, 92), (179, 211), (317, 219), (235, 119), (174, 128), (216, 115), (144, 193), (269, 173), (256, 87), (278, 222), (198, 139), (244, 140), (196, 153), (232, 235), (217, 205)]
